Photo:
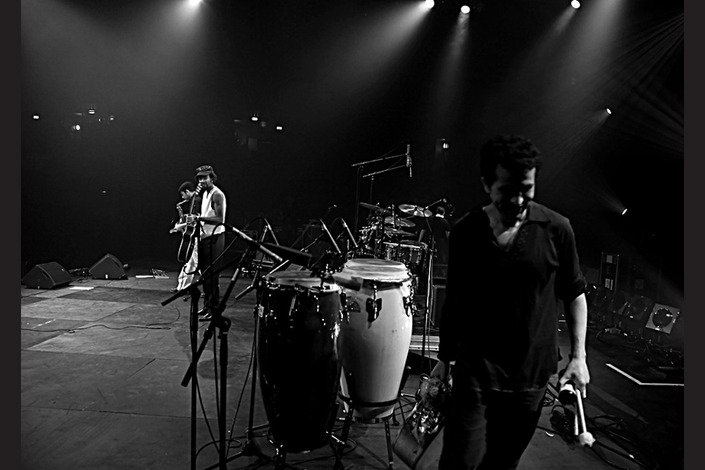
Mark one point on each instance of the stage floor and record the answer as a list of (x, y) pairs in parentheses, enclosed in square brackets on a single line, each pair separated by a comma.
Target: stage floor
[(102, 363)]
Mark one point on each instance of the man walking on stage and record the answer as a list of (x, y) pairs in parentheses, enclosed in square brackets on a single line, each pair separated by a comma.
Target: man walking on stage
[(512, 264)]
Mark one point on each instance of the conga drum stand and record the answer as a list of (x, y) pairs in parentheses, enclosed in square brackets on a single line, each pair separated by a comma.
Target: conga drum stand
[(342, 442)]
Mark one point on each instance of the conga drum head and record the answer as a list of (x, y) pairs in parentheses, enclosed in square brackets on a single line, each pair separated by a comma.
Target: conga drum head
[(303, 279), (358, 270)]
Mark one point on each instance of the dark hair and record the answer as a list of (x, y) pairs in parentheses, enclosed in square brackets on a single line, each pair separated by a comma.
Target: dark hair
[(515, 153), (440, 210), (186, 186)]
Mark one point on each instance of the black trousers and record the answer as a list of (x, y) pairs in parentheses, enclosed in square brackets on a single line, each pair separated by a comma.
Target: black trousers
[(209, 250), (488, 429)]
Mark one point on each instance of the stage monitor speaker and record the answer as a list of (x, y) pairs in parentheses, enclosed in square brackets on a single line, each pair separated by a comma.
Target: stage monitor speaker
[(109, 267), (47, 276), (662, 318), (439, 297)]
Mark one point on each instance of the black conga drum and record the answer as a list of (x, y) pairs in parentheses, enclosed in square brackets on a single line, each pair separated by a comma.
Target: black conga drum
[(298, 358)]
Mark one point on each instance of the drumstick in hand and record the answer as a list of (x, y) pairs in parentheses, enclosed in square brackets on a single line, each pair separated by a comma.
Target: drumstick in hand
[(585, 437)]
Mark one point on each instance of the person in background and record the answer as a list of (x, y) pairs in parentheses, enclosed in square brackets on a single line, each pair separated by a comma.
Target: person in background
[(211, 234), (188, 249)]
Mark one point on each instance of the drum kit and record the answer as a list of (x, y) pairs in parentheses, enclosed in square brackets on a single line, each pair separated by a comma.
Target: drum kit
[(387, 235), (324, 334)]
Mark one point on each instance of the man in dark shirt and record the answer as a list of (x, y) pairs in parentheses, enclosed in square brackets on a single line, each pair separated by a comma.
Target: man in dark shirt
[(512, 262)]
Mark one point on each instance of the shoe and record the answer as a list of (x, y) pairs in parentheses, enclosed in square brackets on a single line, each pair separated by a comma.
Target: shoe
[(204, 311), (175, 290)]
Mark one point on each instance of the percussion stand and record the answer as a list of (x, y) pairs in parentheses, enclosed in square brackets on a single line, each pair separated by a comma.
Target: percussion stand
[(352, 403)]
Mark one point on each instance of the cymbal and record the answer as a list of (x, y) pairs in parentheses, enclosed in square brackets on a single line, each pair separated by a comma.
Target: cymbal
[(415, 210), (375, 208), (398, 222), (396, 231)]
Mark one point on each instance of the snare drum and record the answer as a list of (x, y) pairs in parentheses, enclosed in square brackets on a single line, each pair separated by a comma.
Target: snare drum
[(298, 357), (375, 334)]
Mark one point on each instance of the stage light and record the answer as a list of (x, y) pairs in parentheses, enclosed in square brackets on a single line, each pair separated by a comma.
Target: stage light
[(608, 111), (91, 110), (624, 211), (35, 117), (254, 117), (446, 145), (575, 4), (279, 128), (76, 127), (428, 4), (193, 3), (465, 9)]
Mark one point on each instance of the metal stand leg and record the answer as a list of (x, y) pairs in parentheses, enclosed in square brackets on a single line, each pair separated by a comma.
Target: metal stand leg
[(390, 455)]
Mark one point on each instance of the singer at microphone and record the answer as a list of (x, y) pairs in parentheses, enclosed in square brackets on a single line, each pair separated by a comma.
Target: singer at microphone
[(211, 243)]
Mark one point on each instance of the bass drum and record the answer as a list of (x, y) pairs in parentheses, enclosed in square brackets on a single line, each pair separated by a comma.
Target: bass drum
[(375, 335), (298, 358)]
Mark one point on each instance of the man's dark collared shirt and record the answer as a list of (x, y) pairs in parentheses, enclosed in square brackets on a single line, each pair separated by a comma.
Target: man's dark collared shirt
[(500, 316)]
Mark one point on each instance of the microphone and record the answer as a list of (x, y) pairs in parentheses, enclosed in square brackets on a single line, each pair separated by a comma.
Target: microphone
[(276, 258), (290, 254), (330, 237), (408, 158), (350, 235)]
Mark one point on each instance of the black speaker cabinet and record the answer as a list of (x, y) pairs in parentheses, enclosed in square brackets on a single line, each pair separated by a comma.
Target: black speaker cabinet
[(109, 267), (47, 276), (439, 296)]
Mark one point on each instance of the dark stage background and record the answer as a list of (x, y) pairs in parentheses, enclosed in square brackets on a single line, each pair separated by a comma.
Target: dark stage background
[(349, 81)]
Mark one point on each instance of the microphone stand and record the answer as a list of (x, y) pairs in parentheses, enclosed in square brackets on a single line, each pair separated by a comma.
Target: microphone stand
[(360, 169), (217, 320), (223, 325), (429, 295)]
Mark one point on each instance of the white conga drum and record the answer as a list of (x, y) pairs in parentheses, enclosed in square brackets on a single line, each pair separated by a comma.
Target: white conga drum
[(375, 334)]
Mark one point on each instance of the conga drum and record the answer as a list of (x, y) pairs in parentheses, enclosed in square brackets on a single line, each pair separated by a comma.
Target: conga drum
[(298, 358), (374, 335)]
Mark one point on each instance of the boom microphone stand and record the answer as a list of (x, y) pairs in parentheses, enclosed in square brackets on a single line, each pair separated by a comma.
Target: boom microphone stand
[(372, 175), (223, 325)]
